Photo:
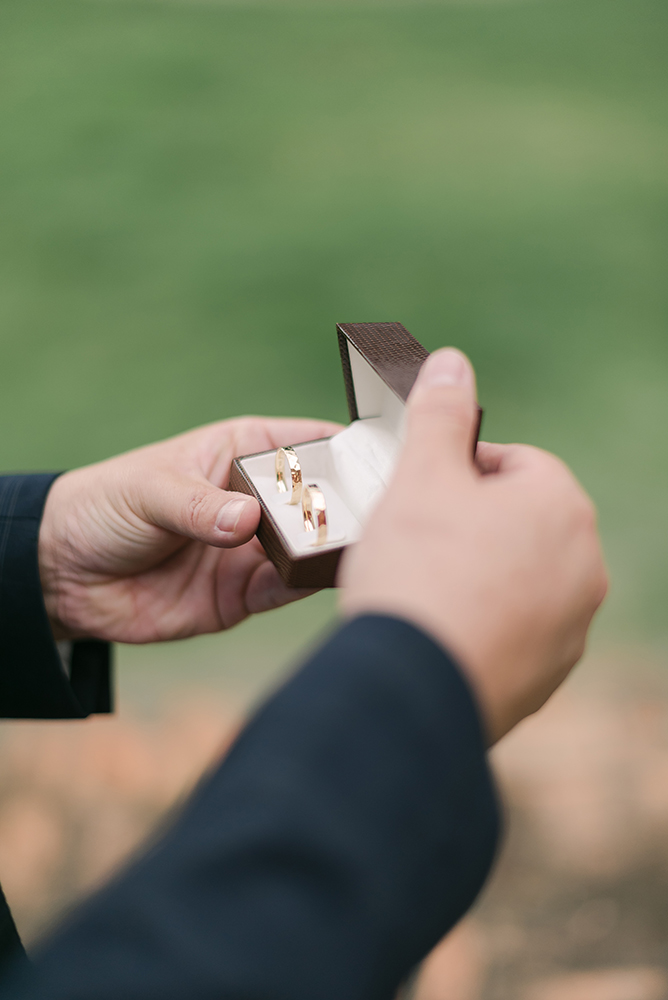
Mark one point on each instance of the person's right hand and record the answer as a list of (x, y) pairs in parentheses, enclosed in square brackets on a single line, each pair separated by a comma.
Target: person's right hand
[(499, 560)]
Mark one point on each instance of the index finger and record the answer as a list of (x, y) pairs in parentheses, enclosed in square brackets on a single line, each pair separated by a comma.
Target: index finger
[(284, 431)]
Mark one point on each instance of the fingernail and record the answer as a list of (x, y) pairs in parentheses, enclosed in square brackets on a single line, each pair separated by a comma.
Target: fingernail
[(229, 516), (446, 367)]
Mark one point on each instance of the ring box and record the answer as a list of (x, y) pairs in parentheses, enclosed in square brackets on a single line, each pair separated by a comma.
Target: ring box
[(353, 468)]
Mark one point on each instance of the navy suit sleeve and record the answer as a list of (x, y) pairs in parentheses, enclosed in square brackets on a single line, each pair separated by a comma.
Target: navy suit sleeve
[(33, 682), (352, 824)]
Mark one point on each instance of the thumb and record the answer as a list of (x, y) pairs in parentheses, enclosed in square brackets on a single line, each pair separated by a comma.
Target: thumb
[(196, 509), (441, 410)]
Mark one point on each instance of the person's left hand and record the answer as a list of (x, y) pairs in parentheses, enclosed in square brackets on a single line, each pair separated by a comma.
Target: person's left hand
[(149, 546)]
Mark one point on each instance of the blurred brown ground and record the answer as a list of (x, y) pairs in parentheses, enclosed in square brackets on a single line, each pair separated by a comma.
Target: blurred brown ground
[(577, 908)]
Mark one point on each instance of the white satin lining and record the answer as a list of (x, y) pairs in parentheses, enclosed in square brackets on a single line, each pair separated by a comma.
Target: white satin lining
[(353, 468)]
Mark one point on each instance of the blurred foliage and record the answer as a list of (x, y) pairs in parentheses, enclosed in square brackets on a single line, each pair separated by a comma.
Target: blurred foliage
[(192, 195)]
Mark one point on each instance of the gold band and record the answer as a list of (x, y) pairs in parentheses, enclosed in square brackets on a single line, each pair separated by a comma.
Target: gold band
[(314, 511), (286, 458)]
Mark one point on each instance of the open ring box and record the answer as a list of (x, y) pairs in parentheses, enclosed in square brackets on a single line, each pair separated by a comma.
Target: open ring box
[(353, 468)]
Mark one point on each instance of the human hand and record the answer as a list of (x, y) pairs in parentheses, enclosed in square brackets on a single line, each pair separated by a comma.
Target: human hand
[(499, 560), (149, 546)]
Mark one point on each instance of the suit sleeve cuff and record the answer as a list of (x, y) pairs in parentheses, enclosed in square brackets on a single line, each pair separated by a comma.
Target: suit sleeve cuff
[(33, 681)]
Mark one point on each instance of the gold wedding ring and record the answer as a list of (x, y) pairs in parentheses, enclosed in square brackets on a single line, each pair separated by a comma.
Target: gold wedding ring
[(314, 511), (289, 474)]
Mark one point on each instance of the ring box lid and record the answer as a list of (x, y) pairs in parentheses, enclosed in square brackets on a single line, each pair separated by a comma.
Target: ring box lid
[(374, 357)]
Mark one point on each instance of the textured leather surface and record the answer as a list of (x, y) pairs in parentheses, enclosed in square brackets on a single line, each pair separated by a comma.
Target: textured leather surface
[(391, 351)]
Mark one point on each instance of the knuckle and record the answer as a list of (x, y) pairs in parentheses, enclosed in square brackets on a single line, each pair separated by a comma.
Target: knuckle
[(254, 426), (249, 433), (586, 512), (245, 424), (554, 466), (603, 585), (551, 467), (195, 510)]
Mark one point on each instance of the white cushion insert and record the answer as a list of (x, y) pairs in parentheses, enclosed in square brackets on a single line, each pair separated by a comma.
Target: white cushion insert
[(353, 468)]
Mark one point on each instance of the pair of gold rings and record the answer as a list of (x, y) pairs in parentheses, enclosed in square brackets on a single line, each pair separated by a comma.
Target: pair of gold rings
[(314, 506)]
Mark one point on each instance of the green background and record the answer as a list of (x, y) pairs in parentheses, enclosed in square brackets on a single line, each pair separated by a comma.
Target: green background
[(193, 194)]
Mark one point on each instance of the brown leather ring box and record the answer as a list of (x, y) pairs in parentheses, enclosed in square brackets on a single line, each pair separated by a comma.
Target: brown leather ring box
[(380, 364)]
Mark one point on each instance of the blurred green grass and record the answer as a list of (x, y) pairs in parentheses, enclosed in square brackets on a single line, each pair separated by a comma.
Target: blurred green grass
[(192, 195)]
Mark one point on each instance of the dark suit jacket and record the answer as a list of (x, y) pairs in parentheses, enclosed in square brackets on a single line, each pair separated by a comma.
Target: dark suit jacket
[(351, 825), (33, 681)]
